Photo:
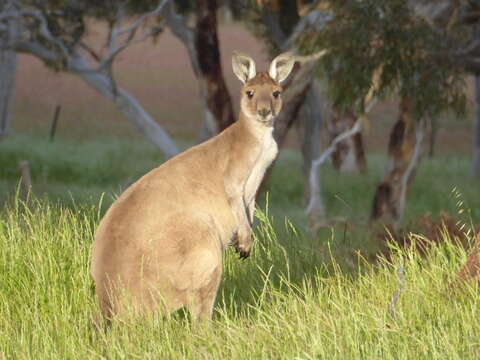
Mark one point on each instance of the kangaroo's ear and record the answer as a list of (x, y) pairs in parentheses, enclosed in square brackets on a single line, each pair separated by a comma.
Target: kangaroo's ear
[(281, 66), (243, 66)]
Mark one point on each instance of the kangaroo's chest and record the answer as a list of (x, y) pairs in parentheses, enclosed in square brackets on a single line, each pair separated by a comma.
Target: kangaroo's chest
[(267, 153)]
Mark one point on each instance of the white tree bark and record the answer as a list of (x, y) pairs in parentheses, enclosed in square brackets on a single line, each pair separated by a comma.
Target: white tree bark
[(412, 166), (313, 112), (8, 65), (201, 42), (127, 104), (101, 78), (476, 133), (404, 150), (315, 198)]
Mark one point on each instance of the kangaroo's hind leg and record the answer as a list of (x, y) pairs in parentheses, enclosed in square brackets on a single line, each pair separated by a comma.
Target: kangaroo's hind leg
[(201, 300), (203, 271)]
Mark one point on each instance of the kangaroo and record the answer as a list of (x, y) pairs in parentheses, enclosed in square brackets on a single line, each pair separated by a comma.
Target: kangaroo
[(160, 244)]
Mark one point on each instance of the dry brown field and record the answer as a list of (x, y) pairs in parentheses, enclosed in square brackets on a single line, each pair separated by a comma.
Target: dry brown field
[(159, 75)]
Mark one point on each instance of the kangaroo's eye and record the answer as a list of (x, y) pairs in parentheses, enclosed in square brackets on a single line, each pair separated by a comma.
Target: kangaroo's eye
[(276, 94), (250, 94)]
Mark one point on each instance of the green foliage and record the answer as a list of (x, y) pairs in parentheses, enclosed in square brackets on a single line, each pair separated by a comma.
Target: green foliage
[(137, 7), (67, 21), (284, 14), (288, 15), (417, 58), (287, 301)]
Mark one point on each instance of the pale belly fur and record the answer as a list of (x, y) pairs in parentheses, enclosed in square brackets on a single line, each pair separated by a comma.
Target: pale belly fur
[(267, 155)]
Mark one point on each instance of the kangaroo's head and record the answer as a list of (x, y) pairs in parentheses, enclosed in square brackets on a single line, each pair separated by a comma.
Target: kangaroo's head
[(261, 94)]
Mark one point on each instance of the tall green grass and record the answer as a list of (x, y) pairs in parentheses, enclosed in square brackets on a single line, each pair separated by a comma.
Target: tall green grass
[(290, 300)]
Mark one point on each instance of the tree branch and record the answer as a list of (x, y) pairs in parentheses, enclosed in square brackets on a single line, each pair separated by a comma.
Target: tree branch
[(101, 78), (129, 106), (43, 29), (302, 60), (471, 65), (184, 33), (316, 19), (90, 51), (314, 112), (271, 21), (313, 180), (113, 48), (368, 102), (34, 48), (412, 165)]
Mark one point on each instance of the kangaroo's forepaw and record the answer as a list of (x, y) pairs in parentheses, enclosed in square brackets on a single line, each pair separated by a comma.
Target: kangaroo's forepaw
[(244, 254), (244, 248)]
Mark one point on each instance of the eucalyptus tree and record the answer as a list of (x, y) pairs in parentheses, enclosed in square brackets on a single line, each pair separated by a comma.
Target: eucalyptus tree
[(279, 24), (424, 49), (203, 48), (8, 64), (476, 133), (55, 31), (293, 18)]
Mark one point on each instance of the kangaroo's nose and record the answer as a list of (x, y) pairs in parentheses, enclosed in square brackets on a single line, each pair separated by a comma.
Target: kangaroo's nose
[(264, 112)]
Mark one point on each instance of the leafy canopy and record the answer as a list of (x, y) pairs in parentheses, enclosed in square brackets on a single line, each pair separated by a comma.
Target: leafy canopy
[(416, 56)]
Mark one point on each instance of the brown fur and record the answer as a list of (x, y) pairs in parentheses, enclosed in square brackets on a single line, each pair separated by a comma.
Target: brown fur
[(159, 246)]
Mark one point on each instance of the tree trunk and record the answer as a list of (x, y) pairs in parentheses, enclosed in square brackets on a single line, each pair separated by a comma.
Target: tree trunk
[(128, 105), (8, 65), (212, 84), (404, 151), (432, 136), (53, 51), (476, 133), (349, 155), (311, 114), (293, 97)]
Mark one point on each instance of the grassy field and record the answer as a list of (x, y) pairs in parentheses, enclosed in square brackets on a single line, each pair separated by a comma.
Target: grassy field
[(300, 295), (288, 301), (73, 173)]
